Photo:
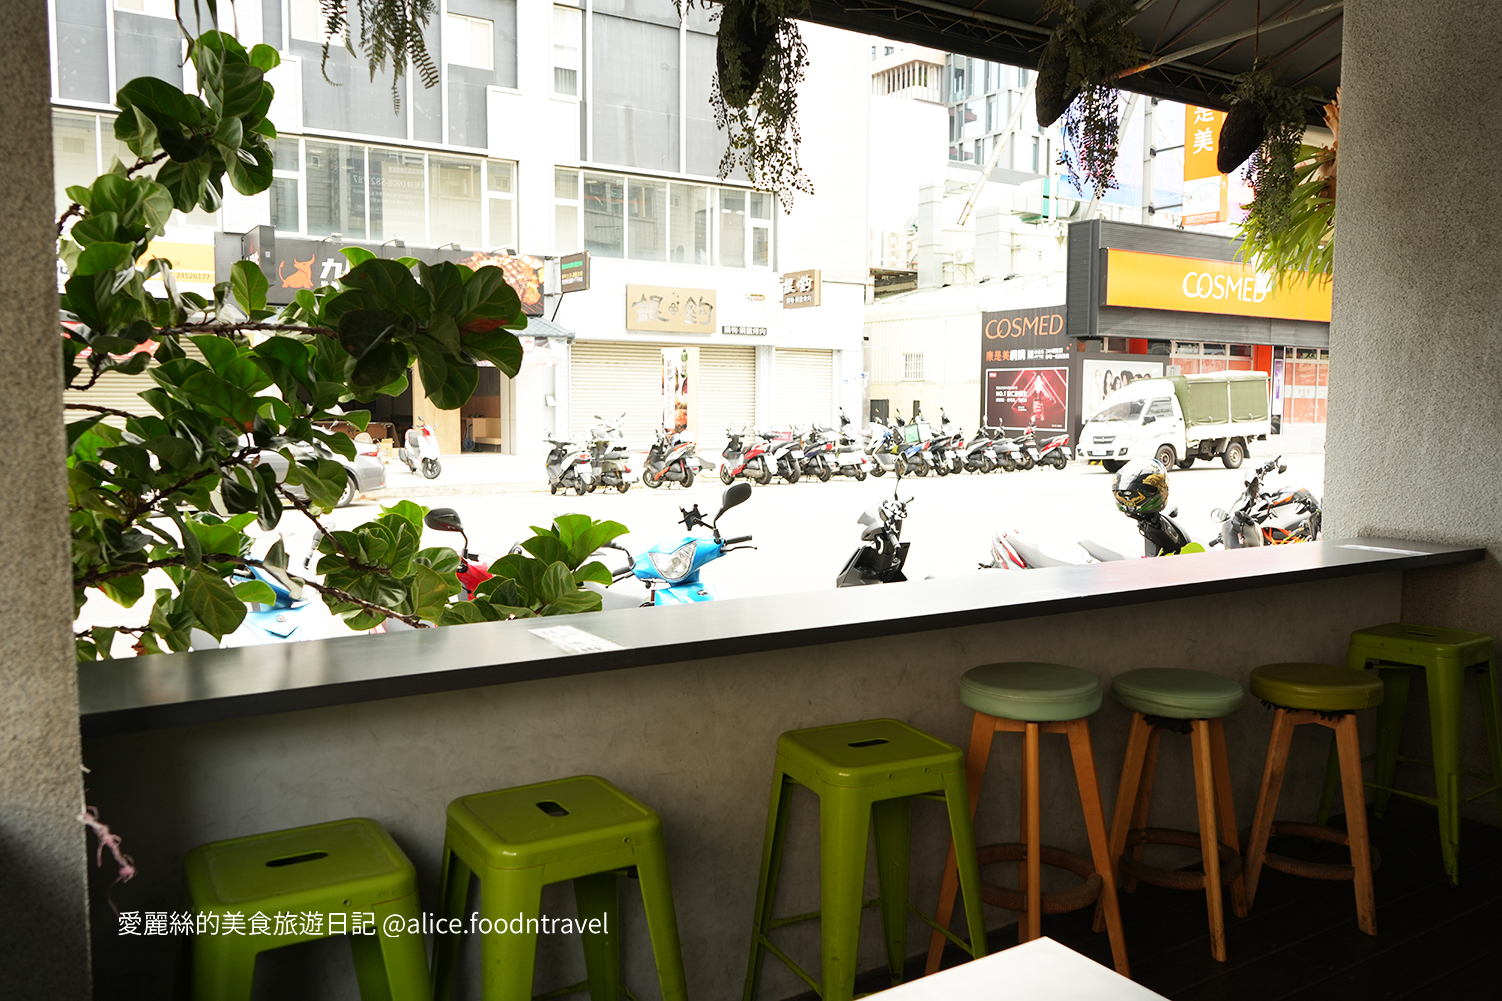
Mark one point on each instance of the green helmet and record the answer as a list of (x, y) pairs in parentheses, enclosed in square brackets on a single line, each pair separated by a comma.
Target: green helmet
[(1141, 487)]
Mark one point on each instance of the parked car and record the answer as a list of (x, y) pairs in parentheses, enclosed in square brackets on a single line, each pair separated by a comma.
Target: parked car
[(364, 472)]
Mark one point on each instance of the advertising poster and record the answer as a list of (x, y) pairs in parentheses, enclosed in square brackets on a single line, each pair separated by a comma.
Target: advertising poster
[(1101, 377), (675, 388), (1017, 397), (523, 273)]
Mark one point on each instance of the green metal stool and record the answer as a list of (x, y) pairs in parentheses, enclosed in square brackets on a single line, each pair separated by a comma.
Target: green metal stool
[(287, 879), (1032, 699), (1444, 655), (1194, 703), (865, 774), (1329, 696), (516, 841)]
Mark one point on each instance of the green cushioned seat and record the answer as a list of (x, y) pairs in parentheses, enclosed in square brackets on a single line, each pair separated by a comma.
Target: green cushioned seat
[(1177, 693), (1320, 687), (1033, 693)]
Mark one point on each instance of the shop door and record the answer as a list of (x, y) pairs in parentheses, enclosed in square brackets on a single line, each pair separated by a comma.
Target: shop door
[(726, 397), (608, 378), (804, 387)]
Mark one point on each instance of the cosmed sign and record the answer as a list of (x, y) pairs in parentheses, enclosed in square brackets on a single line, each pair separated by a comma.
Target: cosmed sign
[(1025, 369), (1193, 284)]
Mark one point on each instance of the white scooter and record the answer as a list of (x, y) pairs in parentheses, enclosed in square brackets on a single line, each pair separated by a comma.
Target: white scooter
[(422, 450)]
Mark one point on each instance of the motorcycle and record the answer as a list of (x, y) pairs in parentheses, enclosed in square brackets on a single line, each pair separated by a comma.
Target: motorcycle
[(785, 454), (421, 450), (568, 467), (1009, 455), (847, 457), (880, 446), (609, 458), (880, 557), (818, 446), (1268, 518), (977, 454), (671, 569), (671, 459), (1054, 452), (946, 447), (750, 462)]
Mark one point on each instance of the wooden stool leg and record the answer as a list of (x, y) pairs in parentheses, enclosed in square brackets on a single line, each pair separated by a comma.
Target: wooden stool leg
[(982, 732), (1095, 826), (1267, 800), (1144, 796), (1204, 795), (1126, 799), (1032, 837), (1349, 743), (1225, 803)]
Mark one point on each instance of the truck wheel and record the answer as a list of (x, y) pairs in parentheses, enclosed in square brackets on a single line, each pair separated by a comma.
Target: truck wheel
[(1165, 455), (1186, 462), (1111, 465), (1233, 455)]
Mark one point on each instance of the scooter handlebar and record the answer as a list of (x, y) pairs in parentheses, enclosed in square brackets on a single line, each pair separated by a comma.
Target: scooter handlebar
[(736, 541)]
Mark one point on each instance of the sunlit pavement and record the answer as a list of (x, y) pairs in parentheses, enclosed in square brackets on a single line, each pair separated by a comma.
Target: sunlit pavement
[(804, 532)]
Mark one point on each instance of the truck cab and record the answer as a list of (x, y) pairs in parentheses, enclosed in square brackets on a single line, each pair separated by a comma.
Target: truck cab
[(1134, 422)]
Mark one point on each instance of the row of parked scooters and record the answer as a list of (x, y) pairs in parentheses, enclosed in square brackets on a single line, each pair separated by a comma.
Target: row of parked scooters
[(604, 460)]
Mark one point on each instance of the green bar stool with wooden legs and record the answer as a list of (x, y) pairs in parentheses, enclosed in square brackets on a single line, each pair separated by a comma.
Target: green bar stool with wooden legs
[(1193, 703), (1328, 696), (516, 841), (294, 880), (865, 774), (1445, 656), (1033, 699)]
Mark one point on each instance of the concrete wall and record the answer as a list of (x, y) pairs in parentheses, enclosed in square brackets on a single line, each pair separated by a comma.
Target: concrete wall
[(695, 741), (43, 911), (1414, 441)]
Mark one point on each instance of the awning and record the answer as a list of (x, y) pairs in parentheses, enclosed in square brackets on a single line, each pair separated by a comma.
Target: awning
[(540, 327), (1195, 47)]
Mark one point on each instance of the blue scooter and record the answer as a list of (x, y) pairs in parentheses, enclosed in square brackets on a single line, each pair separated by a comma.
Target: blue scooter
[(671, 569)]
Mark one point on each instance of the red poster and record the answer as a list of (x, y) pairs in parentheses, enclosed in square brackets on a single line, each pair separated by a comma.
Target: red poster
[(1017, 397)]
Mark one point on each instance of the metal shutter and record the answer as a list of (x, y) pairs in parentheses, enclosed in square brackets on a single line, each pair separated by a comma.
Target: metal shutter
[(120, 392), (727, 395), (804, 387), (607, 378)]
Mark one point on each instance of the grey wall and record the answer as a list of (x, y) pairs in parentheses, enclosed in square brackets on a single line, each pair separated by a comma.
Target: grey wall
[(695, 741), (43, 915), (1414, 443)]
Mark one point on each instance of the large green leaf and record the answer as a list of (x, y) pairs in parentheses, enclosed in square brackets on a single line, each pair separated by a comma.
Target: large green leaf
[(213, 602), (555, 582), (392, 285), (249, 285)]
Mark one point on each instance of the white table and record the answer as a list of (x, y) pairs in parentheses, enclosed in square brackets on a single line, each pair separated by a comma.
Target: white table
[(1040, 970)]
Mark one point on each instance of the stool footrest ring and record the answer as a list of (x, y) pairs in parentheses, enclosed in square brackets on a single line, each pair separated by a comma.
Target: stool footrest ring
[(1055, 901), (1315, 870), (1175, 879)]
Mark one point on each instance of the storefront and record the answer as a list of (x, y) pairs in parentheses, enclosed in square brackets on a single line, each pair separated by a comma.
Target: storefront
[(1145, 300)]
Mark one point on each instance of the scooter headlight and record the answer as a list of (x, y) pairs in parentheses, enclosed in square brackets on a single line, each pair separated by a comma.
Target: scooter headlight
[(677, 564)]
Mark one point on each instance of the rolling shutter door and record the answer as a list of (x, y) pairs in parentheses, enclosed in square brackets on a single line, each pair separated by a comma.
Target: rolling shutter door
[(727, 395), (119, 392), (607, 378), (804, 391)]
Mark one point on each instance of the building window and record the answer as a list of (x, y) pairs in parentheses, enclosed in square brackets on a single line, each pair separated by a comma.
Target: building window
[(912, 368), (566, 212), (604, 215), (690, 234), (500, 199), (454, 201), (647, 209), (286, 184), (307, 22), (567, 36), (469, 41), (151, 8)]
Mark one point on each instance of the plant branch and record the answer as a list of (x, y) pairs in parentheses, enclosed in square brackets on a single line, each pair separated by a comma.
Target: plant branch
[(77, 209), (93, 409), (216, 328)]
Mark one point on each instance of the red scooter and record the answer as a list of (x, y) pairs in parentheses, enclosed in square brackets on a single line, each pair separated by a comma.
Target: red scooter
[(748, 463)]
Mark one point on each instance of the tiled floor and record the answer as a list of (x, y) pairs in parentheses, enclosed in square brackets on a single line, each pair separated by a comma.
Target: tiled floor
[(1301, 942)]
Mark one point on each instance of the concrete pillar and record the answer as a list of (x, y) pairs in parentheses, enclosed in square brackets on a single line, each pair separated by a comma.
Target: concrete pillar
[(1414, 442), (931, 236), (44, 908)]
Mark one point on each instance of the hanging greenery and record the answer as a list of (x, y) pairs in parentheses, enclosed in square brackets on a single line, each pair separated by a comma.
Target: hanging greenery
[(1290, 224), (391, 31), (760, 60), (1086, 52)]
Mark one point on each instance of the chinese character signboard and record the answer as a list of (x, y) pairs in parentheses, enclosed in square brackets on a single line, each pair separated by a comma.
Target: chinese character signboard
[(1025, 356), (670, 310), (801, 288), (574, 272), (1206, 189)]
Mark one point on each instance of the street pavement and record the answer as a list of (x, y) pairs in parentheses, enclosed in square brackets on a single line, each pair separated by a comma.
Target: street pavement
[(803, 532)]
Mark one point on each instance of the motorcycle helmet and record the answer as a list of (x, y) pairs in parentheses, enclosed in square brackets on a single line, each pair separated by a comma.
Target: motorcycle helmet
[(1141, 487)]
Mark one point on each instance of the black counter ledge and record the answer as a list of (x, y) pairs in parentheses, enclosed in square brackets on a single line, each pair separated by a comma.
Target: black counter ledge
[(155, 692)]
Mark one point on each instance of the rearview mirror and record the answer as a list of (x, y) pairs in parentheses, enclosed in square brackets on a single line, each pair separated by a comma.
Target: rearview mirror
[(443, 519), (1149, 419), (1219, 515), (1282, 468), (736, 493)]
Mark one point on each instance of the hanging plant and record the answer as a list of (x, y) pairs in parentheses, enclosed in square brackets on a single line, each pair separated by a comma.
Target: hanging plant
[(1290, 224), (1086, 52), (760, 59)]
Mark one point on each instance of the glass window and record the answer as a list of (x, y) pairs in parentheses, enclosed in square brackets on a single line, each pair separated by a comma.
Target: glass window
[(499, 175), (502, 224), (398, 196), (454, 201), (912, 367), (647, 237), (75, 155), (566, 212), (732, 228), (308, 22), (974, 119), (469, 41), (690, 237), (1035, 154), (284, 205), (567, 35), (604, 214), (761, 246), (1161, 408), (993, 122), (761, 205), (284, 155), (335, 178)]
